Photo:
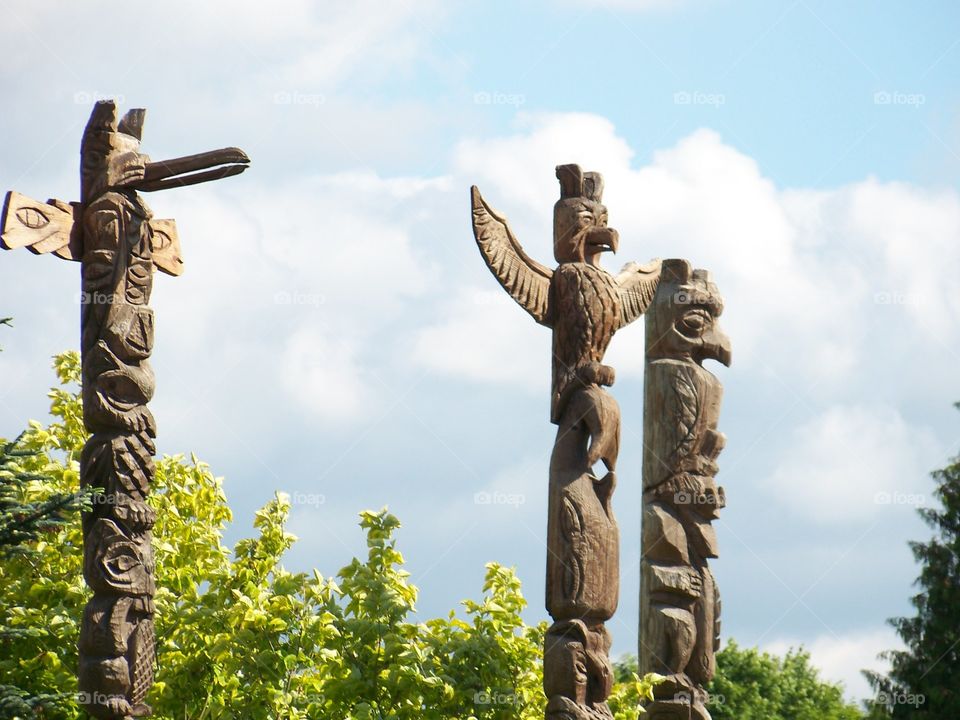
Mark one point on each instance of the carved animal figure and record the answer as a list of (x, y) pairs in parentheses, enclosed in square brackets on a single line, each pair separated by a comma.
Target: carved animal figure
[(585, 306), (679, 600)]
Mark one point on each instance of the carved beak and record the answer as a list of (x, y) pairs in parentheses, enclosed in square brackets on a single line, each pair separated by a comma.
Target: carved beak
[(192, 169), (602, 239), (716, 346)]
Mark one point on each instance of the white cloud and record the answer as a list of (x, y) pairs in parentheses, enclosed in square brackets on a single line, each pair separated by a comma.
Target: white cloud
[(322, 375), (482, 335), (296, 285), (852, 462), (840, 658), (816, 283)]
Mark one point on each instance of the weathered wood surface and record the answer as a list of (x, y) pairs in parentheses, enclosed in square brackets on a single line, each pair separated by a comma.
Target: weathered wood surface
[(119, 245), (679, 600), (584, 305)]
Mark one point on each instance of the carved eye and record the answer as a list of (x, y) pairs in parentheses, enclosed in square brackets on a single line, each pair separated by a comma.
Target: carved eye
[(32, 218), (161, 241)]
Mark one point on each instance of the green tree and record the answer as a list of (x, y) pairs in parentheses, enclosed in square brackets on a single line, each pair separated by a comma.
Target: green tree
[(38, 500), (242, 637), (751, 685), (754, 685), (924, 679)]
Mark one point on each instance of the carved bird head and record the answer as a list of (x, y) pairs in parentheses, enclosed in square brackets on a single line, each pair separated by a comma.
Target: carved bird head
[(580, 232), (110, 158), (682, 321)]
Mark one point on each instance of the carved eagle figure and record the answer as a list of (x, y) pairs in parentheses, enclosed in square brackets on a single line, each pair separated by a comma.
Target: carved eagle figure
[(581, 302)]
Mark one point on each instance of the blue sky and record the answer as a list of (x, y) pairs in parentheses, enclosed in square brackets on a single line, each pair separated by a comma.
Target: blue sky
[(336, 334)]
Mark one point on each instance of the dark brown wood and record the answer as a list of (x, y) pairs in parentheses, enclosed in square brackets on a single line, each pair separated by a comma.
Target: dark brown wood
[(112, 234), (584, 306), (679, 600)]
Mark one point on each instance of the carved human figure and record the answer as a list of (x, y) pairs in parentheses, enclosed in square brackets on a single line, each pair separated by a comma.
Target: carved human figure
[(585, 306), (679, 600), (112, 233)]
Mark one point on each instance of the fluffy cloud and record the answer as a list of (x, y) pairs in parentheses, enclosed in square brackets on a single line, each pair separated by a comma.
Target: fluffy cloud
[(840, 658), (808, 276), (849, 462), (483, 336)]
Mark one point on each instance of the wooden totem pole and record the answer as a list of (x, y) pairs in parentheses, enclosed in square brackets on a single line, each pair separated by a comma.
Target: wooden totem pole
[(679, 600), (584, 306), (113, 235)]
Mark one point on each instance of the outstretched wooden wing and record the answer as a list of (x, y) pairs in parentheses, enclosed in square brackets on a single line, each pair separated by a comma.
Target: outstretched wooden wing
[(55, 227), (637, 285), (40, 227), (527, 281)]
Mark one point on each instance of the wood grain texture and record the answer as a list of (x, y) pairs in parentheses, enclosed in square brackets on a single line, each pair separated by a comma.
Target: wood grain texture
[(112, 234), (679, 599), (584, 306)]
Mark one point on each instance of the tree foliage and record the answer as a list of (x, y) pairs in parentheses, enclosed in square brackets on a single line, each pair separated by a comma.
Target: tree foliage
[(924, 679), (242, 637), (754, 685)]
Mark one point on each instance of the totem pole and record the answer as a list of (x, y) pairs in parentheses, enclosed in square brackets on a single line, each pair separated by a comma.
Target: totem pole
[(113, 235), (679, 601), (584, 306)]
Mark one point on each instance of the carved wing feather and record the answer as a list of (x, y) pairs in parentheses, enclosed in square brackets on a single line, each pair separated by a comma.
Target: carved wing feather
[(526, 280), (637, 285)]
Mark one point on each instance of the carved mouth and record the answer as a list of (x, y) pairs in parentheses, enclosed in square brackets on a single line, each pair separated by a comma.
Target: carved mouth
[(602, 239)]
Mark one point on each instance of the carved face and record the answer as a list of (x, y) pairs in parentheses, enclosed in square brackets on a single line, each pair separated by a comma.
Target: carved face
[(110, 151), (682, 321), (580, 232), (576, 662)]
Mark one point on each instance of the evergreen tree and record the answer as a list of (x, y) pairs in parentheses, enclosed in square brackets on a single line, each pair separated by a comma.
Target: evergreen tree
[(924, 679)]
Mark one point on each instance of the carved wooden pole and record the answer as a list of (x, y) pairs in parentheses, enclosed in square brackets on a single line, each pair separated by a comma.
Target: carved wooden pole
[(679, 601), (112, 233), (583, 305)]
